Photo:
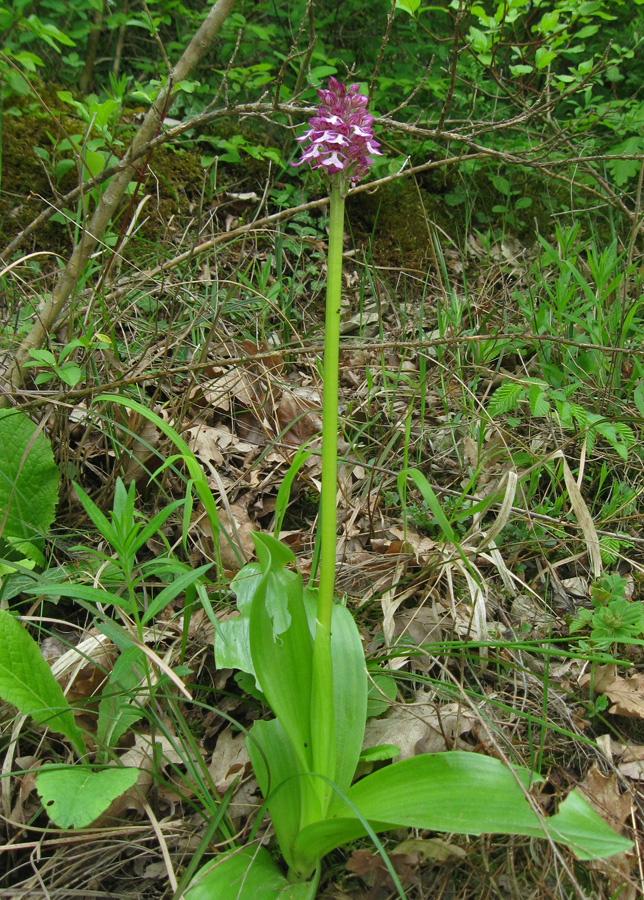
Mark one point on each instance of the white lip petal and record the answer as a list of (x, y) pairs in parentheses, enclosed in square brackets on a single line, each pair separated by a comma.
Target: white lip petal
[(333, 160)]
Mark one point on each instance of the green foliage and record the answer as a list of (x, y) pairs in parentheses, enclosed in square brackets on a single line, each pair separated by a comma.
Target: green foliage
[(549, 69), (75, 796), (582, 294), (28, 487), (126, 533), (382, 692), (613, 619), (68, 371), (454, 792), (556, 403), (247, 874), (62, 366), (27, 683), (197, 482), (119, 709)]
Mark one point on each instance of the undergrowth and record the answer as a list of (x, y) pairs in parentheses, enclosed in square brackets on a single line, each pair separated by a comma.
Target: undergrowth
[(491, 346)]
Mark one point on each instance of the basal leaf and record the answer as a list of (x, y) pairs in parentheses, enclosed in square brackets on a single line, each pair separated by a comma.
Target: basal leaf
[(244, 584), (350, 690), (232, 645), (279, 775), (27, 683), (232, 639), (247, 874), (28, 479), (282, 655), (577, 825), (74, 796), (459, 793)]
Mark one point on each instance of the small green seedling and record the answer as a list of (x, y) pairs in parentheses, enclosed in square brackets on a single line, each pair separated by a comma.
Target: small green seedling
[(613, 619)]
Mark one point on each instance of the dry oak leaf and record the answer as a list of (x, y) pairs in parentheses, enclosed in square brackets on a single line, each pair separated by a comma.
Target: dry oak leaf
[(435, 850), (602, 792), (230, 759), (420, 727), (626, 694), (371, 867)]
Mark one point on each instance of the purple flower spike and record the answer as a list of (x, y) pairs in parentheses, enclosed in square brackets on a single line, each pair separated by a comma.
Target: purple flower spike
[(340, 139)]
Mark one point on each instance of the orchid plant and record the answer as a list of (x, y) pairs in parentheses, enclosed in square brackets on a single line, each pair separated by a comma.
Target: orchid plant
[(305, 653)]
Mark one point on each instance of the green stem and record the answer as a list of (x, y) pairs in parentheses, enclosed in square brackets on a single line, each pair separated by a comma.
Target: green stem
[(322, 713), (328, 511)]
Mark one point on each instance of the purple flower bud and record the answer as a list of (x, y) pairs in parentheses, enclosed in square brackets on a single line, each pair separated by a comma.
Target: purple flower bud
[(340, 137)]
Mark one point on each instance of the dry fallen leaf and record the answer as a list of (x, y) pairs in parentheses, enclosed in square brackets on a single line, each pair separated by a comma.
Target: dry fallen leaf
[(372, 868), (626, 694), (420, 727), (434, 849), (602, 792), (230, 759)]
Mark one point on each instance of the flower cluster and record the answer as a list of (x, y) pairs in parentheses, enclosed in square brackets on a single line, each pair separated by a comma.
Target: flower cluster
[(340, 139)]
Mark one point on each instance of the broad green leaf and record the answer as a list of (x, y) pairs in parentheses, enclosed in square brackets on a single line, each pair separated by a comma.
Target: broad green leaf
[(95, 161), (278, 774), (501, 184), (623, 170), (281, 644), (409, 6), (232, 645), (381, 684), (506, 398), (381, 752), (350, 690), (232, 639), (118, 709), (543, 57), (28, 479), (459, 793), (74, 796), (244, 584), (539, 403), (247, 874), (577, 825), (27, 683)]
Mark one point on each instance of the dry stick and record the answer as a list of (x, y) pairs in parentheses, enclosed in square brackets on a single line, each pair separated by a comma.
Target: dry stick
[(108, 204)]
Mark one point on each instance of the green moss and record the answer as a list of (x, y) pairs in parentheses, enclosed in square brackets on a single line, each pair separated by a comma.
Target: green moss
[(24, 181), (395, 217)]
